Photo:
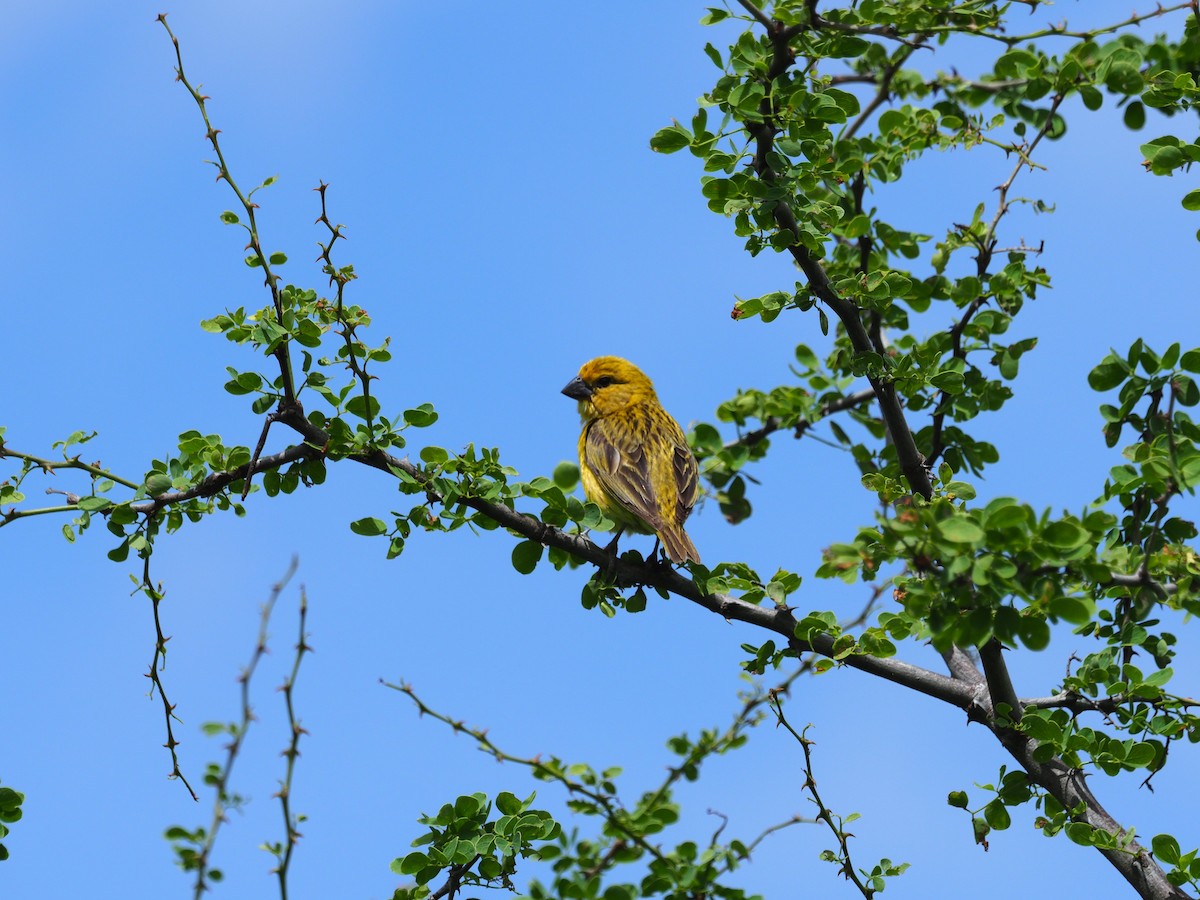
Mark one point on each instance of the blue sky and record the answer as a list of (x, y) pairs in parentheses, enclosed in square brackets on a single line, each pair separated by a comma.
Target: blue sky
[(508, 222)]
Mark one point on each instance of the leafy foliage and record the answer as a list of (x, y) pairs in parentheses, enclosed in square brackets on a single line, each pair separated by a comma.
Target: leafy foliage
[(10, 811), (478, 851), (812, 113)]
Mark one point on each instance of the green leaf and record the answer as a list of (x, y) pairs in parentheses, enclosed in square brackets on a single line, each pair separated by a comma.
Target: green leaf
[(1080, 833), (468, 805), (1108, 374), (1166, 849), (525, 556), (158, 483), (421, 416), (1092, 98), (411, 864), (806, 357), (508, 804), (363, 407), (637, 602), (960, 490), (950, 382), (277, 258), (1161, 677), (981, 829), (1141, 754), (670, 139), (1076, 610), (434, 455), (997, 815), (369, 527), (960, 530), (1191, 200), (229, 217), (1065, 535), (566, 475), (1135, 116), (243, 382), (957, 799)]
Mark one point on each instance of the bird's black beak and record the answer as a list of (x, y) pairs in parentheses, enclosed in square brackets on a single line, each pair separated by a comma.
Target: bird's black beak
[(577, 389)]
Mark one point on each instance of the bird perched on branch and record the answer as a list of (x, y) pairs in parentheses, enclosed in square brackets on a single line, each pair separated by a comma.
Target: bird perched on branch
[(634, 460)]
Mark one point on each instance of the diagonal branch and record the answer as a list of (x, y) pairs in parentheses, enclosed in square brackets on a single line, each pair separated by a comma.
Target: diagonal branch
[(761, 17), (882, 94), (999, 681), (773, 424), (912, 463), (281, 353), (218, 481), (983, 261), (835, 823)]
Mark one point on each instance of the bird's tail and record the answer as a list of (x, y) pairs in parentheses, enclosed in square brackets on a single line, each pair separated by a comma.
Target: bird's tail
[(678, 545)]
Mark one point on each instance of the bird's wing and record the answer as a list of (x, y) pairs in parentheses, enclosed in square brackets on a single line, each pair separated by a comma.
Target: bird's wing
[(686, 472), (623, 470)]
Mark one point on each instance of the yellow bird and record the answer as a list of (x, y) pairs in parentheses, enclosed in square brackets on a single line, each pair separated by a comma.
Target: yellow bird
[(634, 460)]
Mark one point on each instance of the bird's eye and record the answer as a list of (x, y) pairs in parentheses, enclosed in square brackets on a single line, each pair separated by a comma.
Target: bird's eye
[(603, 381)]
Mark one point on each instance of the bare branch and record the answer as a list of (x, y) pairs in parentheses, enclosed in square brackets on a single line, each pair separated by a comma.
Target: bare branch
[(281, 353), (291, 753), (157, 662), (237, 734), (824, 813)]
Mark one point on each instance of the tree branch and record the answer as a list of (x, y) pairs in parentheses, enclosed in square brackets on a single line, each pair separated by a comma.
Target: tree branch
[(773, 424), (987, 248), (761, 17), (912, 463), (1068, 787), (51, 466), (281, 353), (824, 813), (218, 481), (999, 682)]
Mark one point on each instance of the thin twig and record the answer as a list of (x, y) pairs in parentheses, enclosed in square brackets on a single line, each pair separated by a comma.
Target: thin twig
[(271, 280), (157, 663), (609, 804), (824, 813), (270, 419), (773, 424), (237, 733), (987, 249), (882, 94), (51, 466), (292, 751), (340, 277)]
